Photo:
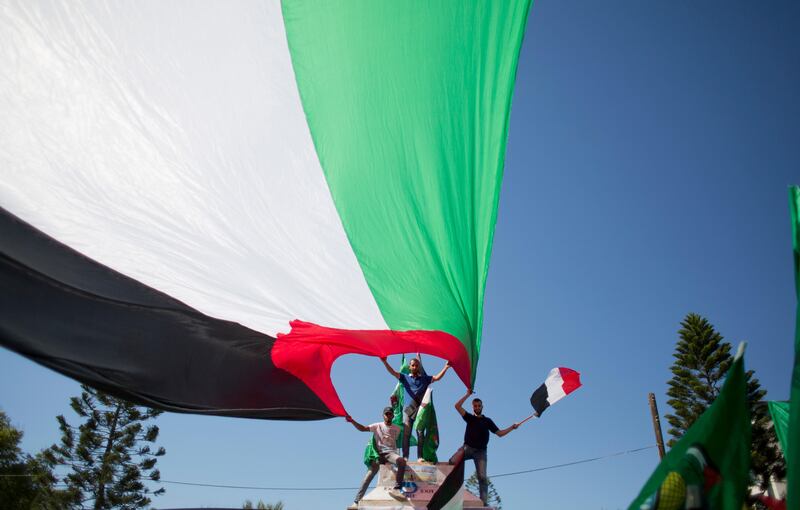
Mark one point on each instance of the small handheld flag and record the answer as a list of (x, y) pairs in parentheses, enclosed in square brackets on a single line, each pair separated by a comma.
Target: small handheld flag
[(560, 382)]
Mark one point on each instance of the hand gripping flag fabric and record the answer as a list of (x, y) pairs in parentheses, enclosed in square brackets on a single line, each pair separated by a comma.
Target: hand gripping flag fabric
[(560, 382), (203, 204), (793, 453), (708, 467)]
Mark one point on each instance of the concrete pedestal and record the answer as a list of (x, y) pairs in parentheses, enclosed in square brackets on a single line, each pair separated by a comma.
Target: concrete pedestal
[(421, 483)]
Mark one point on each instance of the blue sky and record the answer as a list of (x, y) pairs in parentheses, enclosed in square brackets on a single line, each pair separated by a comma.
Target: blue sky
[(650, 151)]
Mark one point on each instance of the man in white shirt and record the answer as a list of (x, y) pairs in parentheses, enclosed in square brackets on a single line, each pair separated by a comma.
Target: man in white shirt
[(385, 434)]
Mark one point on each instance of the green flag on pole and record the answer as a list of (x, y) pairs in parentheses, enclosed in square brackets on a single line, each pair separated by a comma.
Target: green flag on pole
[(708, 467), (793, 453)]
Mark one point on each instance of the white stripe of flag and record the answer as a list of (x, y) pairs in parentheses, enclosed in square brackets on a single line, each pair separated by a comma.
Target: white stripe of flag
[(560, 382)]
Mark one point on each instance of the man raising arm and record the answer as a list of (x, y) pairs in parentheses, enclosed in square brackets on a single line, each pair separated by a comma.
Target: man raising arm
[(415, 384), (476, 440)]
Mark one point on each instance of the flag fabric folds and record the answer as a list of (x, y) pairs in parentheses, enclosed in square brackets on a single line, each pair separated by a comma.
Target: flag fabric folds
[(560, 382), (709, 466), (793, 453), (250, 190)]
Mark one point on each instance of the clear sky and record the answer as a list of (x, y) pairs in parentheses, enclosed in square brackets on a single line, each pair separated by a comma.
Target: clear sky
[(650, 151)]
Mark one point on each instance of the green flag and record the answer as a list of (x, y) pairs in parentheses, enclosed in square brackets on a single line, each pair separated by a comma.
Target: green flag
[(427, 428), (709, 465), (397, 399), (370, 452), (793, 453), (780, 420)]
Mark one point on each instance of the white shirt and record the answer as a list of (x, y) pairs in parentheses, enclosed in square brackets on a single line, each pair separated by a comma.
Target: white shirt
[(385, 436)]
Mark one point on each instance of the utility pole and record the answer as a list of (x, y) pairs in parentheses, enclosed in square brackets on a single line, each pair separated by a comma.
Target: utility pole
[(656, 425)]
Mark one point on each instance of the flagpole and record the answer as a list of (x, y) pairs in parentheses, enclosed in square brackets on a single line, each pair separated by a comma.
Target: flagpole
[(528, 418)]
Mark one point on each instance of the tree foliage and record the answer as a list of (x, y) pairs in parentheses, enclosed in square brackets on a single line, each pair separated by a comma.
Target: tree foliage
[(111, 455), (25, 481), (263, 506), (16, 488), (493, 496), (702, 358)]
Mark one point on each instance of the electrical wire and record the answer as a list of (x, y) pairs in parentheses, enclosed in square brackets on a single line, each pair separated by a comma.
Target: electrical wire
[(514, 473), (583, 461)]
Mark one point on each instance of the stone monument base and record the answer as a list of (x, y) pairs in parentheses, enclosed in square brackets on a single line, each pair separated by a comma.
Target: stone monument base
[(421, 483)]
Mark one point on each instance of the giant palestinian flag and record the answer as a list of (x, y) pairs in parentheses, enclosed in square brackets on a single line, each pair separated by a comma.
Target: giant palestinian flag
[(204, 203)]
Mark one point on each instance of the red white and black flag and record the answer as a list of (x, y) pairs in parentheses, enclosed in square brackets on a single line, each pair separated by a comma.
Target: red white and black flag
[(560, 382)]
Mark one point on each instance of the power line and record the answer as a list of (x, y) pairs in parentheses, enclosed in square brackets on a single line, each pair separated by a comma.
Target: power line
[(253, 487), (221, 486), (617, 454)]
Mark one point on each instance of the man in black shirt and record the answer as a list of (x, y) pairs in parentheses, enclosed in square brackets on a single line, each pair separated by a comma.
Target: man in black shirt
[(476, 439)]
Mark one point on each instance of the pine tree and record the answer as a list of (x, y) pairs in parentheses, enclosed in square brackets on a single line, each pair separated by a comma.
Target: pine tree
[(493, 495), (702, 359), (109, 455)]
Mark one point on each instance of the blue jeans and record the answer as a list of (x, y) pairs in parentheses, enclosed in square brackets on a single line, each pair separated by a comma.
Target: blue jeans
[(478, 456), (409, 415)]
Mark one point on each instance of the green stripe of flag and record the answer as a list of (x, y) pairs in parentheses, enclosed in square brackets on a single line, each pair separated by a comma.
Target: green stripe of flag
[(408, 105)]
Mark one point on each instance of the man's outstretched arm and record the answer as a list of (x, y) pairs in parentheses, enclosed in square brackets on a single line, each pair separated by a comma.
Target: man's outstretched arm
[(357, 425), (501, 433), (441, 372), (460, 402), (392, 371)]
